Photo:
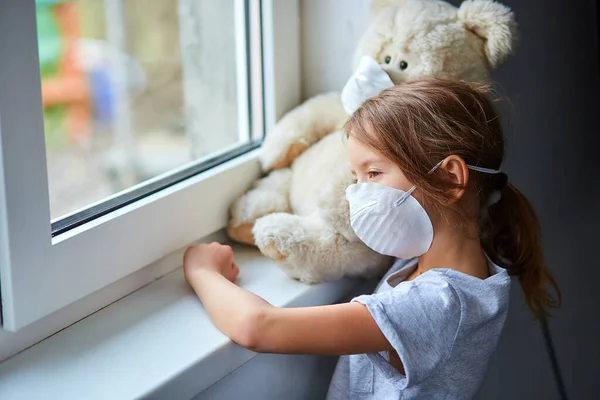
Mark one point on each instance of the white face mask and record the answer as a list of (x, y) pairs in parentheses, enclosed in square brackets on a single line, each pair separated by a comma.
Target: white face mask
[(367, 81), (391, 221)]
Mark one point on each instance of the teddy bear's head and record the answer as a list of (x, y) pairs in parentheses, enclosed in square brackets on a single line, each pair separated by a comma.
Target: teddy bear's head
[(414, 38)]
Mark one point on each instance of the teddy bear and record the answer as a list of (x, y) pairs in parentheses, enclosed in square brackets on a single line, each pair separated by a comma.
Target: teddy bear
[(297, 214)]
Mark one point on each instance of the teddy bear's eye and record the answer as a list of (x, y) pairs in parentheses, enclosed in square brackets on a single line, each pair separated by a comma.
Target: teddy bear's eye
[(403, 65), (388, 59)]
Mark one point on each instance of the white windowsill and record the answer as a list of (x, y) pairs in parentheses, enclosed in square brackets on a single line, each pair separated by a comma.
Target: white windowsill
[(155, 343)]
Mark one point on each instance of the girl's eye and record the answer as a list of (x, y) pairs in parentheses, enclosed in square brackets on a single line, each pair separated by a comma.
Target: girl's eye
[(388, 59), (373, 174), (403, 65)]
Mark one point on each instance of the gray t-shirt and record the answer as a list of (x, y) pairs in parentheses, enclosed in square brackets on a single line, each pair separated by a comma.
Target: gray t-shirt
[(444, 325)]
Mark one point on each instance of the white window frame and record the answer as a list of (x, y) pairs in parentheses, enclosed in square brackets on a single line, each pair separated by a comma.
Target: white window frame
[(40, 274)]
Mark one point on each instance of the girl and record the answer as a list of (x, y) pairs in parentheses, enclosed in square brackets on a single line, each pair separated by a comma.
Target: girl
[(426, 156)]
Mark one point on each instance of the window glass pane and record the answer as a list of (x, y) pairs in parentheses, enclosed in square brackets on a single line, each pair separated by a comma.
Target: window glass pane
[(136, 88)]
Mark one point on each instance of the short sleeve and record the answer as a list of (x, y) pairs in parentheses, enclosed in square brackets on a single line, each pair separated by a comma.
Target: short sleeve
[(420, 319)]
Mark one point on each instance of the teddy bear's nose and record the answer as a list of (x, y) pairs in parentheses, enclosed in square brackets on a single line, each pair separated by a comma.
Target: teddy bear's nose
[(393, 72)]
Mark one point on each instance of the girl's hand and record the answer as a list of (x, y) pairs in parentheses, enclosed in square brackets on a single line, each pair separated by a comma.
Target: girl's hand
[(209, 257)]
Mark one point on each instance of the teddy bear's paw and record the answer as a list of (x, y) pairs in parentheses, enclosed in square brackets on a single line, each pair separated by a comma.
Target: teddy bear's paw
[(258, 202), (273, 159), (293, 152), (241, 233), (273, 252), (273, 234)]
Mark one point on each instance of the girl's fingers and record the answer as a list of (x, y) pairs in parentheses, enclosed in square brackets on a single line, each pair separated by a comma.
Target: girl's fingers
[(233, 272)]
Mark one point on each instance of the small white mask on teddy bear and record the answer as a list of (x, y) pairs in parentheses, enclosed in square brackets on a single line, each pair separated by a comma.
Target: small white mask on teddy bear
[(368, 80)]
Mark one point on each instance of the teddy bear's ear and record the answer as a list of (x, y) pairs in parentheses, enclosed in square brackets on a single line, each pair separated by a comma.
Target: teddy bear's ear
[(378, 5), (493, 22)]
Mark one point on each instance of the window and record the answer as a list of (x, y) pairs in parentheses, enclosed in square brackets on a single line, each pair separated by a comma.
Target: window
[(126, 132), (130, 92)]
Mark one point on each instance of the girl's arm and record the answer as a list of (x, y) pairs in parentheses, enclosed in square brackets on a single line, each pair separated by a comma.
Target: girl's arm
[(257, 325)]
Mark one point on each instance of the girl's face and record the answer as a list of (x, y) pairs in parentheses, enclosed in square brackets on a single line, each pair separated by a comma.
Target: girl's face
[(369, 166)]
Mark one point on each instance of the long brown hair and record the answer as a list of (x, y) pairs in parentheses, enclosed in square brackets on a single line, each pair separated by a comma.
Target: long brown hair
[(419, 123)]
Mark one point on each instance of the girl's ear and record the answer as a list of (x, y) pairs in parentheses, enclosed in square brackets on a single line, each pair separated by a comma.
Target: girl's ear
[(494, 23), (458, 173)]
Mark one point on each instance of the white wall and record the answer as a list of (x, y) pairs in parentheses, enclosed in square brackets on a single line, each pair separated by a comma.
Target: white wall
[(330, 29)]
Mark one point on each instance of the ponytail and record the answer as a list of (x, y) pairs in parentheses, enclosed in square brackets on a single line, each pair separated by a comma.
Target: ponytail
[(511, 236)]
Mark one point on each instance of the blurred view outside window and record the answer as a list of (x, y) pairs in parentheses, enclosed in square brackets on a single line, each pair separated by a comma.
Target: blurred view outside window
[(132, 89)]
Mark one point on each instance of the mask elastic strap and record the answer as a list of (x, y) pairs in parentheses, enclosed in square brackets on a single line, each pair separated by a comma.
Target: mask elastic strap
[(471, 167), (484, 170), (404, 196), (496, 194), (436, 167)]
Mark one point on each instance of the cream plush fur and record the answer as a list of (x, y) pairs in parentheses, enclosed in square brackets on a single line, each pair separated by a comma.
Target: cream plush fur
[(298, 214)]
